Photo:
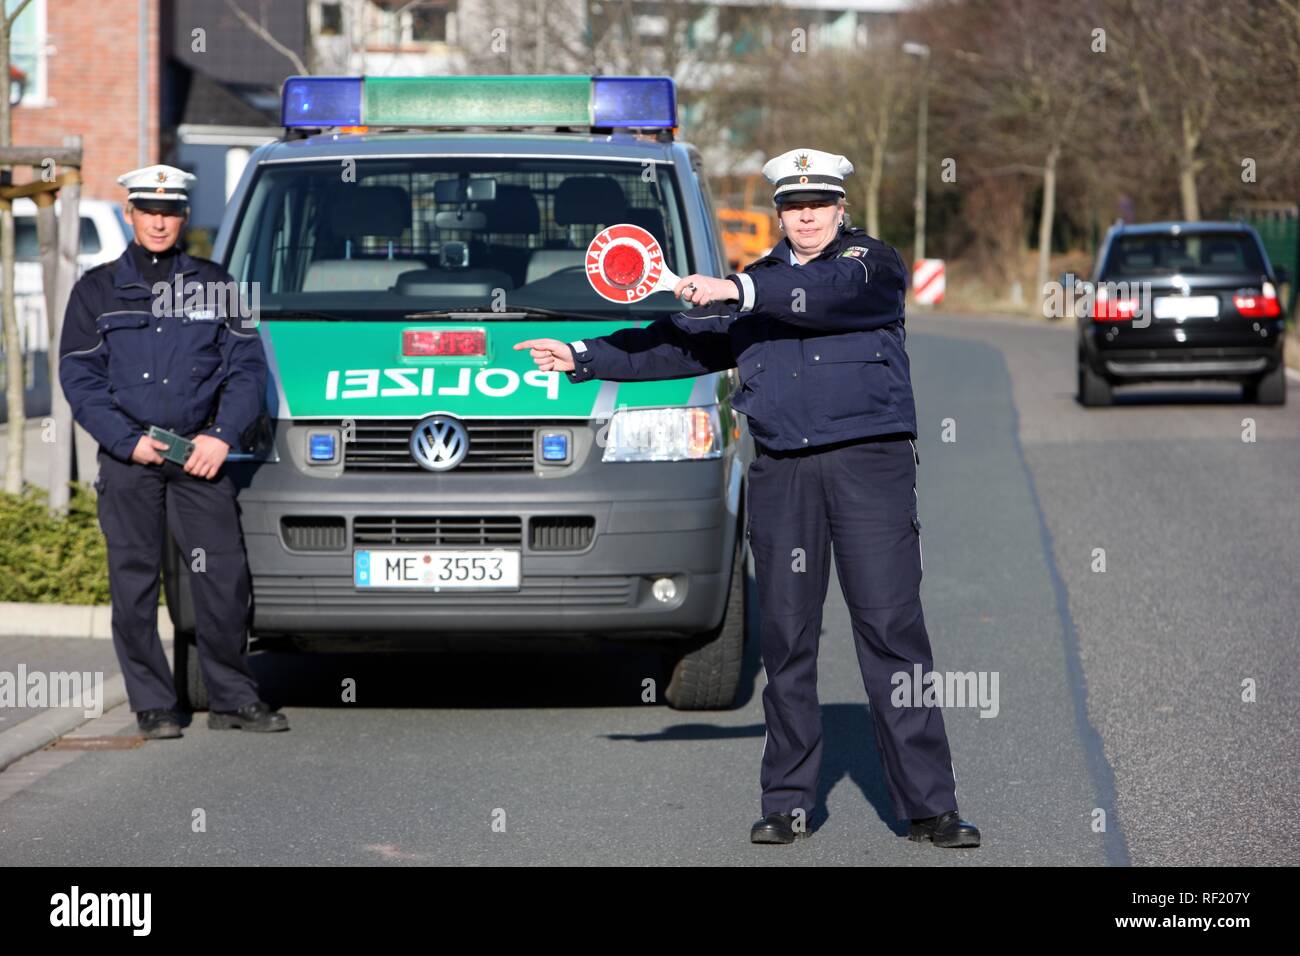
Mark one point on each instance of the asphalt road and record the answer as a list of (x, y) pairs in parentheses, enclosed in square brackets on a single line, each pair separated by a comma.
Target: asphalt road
[(1121, 735)]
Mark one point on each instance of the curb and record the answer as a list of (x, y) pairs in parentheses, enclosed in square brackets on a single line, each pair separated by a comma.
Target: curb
[(43, 729), (20, 619)]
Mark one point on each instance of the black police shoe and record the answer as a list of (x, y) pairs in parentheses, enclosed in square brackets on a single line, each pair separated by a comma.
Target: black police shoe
[(158, 724), (947, 829), (257, 716), (775, 828)]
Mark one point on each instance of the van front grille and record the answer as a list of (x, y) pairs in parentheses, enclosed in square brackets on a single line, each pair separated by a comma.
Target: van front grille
[(495, 444), (440, 531)]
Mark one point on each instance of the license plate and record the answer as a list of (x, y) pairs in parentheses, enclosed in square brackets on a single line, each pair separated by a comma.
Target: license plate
[(1186, 306), (436, 570)]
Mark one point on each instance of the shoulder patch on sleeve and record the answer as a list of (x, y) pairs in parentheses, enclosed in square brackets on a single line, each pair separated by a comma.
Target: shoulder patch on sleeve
[(858, 252)]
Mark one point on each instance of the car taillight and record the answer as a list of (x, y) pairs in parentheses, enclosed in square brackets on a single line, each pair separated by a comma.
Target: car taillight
[(1262, 306), (1106, 309), (424, 342)]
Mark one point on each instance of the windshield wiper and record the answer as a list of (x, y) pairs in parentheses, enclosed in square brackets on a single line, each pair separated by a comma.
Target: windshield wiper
[(520, 312)]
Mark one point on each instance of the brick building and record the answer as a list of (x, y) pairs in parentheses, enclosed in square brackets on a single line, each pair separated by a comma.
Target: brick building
[(183, 82), (86, 76)]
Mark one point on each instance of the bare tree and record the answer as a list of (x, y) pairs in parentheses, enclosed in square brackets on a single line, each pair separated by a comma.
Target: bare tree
[(260, 31), (1183, 62), (1015, 76), (13, 343)]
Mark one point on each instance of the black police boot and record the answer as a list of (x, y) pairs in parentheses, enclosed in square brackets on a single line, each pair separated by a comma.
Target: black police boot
[(947, 829), (775, 828), (158, 724), (257, 716)]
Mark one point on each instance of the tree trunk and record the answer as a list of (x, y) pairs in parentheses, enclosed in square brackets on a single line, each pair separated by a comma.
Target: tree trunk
[(1045, 225), (875, 176), (15, 427), (1187, 169), (47, 238), (13, 343), (1187, 190), (61, 281)]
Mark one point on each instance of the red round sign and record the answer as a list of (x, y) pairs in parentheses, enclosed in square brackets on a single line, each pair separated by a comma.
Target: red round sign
[(625, 263)]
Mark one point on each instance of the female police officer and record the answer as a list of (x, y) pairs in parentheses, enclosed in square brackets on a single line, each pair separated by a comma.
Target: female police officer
[(132, 356), (816, 330)]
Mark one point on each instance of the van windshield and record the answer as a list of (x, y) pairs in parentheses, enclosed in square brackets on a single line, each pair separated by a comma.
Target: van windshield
[(387, 237)]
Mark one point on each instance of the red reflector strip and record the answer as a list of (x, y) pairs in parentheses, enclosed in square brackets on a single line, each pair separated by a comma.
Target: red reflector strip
[(424, 342)]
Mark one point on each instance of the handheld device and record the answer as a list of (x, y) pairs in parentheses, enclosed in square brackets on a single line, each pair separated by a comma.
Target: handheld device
[(178, 449)]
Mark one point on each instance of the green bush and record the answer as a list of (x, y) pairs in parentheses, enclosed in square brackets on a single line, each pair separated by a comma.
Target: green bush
[(49, 560)]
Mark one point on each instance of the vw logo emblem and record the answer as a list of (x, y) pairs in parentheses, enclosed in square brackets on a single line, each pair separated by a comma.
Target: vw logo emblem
[(439, 443)]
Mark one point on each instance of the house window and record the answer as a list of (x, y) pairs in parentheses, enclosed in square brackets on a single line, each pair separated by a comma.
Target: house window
[(426, 23), (331, 20)]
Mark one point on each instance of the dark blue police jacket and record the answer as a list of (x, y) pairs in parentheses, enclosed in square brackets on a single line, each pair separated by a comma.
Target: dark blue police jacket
[(819, 346), (129, 358)]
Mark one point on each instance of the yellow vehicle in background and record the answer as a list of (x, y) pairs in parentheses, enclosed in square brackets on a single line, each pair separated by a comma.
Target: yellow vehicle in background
[(747, 234)]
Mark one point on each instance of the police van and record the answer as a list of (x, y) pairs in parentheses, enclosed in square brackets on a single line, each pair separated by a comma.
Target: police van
[(416, 483)]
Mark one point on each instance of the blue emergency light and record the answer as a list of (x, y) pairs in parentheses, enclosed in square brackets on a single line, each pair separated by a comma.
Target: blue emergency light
[(555, 446), (632, 102), (322, 101), (321, 446)]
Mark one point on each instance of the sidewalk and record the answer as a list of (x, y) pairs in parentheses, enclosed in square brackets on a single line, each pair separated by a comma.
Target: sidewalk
[(25, 729)]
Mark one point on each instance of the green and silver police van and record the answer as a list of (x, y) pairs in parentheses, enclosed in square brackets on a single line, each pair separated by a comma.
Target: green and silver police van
[(416, 483)]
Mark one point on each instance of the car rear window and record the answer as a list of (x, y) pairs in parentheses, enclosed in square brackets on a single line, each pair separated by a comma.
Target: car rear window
[(1201, 253)]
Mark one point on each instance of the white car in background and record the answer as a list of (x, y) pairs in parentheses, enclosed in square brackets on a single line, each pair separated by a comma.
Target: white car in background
[(104, 237)]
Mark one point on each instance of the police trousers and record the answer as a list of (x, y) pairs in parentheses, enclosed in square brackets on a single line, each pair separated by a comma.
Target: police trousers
[(137, 503), (858, 500)]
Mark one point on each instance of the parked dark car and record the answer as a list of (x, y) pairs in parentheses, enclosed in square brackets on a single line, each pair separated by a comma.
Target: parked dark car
[(1183, 301)]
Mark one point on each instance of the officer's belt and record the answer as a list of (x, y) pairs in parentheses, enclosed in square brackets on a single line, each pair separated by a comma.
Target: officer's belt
[(817, 449)]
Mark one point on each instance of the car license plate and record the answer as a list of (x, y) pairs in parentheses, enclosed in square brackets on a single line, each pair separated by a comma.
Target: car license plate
[(435, 570), (1186, 307)]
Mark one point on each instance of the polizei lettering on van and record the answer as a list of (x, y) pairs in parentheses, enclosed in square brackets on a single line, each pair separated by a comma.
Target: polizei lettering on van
[(411, 382)]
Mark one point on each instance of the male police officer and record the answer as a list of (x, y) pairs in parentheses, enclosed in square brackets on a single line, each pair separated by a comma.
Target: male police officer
[(817, 334), (132, 357)]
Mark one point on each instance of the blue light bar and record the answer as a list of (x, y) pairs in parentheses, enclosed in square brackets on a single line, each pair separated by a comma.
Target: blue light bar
[(321, 101), (635, 101), (629, 102)]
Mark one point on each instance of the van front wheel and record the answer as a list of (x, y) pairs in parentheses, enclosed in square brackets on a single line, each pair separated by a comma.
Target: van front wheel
[(707, 675)]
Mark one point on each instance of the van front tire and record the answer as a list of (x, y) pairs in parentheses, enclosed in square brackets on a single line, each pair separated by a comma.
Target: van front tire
[(707, 675)]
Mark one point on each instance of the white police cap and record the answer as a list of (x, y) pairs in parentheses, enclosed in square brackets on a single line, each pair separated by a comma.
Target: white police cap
[(807, 174), (158, 185)]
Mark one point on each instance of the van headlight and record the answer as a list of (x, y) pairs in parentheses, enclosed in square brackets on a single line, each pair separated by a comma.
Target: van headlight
[(663, 434)]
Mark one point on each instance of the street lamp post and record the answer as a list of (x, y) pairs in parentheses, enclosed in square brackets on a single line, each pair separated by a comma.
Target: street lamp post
[(922, 114)]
